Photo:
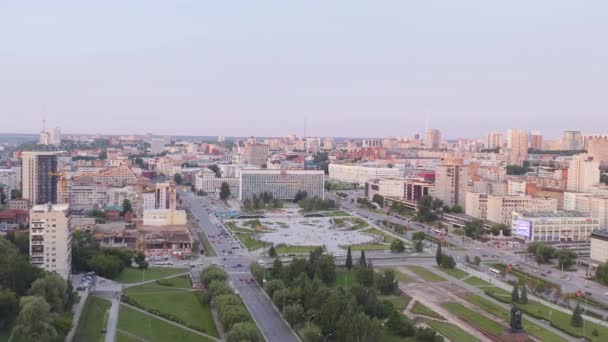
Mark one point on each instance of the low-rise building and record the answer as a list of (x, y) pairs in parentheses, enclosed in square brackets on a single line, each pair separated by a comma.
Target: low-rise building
[(553, 226), (499, 208), (599, 246)]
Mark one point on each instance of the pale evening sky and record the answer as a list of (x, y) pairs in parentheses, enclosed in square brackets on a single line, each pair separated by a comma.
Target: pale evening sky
[(352, 68)]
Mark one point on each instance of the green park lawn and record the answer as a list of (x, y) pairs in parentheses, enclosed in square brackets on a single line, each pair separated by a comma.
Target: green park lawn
[(249, 242), (294, 249), (335, 213), (368, 247), (475, 317), (232, 226), (454, 272), (475, 281), (426, 274), (93, 320), (535, 330), (135, 275), (421, 309), (399, 302), (345, 278), (182, 304), (451, 331), (177, 282), (388, 238), (151, 329)]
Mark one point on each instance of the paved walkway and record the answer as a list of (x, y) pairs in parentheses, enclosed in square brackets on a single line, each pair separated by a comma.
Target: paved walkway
[(77, 314), (171, 322), (112, 321)]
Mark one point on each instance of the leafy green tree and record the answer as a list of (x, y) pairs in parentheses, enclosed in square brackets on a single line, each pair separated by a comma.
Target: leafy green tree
[(293, 313), (523, 299), (300, 195), (277, 268), (273, 285), (542, 253), (34, 322), (140, 260), (213, 273), (311, 333), (126, 207), (477, 260), (224, 191), (365, 274), (216, 169), (418, 246), (16, 272), (565, 258), (378, 199), (244, 331), (397, 246), (399, 325), (349, 259), (418, 236), (601, 273), (107, 266), (456, 208), (362, 261), (9, 307), (386, 282), (178, 178), (272, 252), (577, 317), (438, 255), (21, 240), (474, 229), (53, 289), (447, 262), (515, 294)]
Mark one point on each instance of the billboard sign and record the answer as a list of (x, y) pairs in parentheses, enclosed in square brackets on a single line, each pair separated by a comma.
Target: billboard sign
[(523, 228)]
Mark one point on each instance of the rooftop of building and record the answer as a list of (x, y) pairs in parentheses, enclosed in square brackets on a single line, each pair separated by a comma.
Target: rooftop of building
[(555, 214), (600, 234), (45, 208)]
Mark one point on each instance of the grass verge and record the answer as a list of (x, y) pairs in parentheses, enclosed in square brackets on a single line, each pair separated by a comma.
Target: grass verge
[(135, 275), (92, 320), (425, 274), (152, 329), (454, 272), (451, 331), (249, 242), (421, 309), (181, 306)]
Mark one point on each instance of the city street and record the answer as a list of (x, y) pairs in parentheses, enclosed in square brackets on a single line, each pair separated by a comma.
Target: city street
[(237, 264)]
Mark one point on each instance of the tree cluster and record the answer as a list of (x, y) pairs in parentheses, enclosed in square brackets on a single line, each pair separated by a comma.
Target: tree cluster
[(378, 199), (317, 203), (216, 169), (429, 209), (517, 170), (474, 229), (496, 229), (87, 256), (397, 246), (31, 300), (264, 201), (444, 260), (601, 273), (233, 314), (544, 254), (224, 191), (317, 306)]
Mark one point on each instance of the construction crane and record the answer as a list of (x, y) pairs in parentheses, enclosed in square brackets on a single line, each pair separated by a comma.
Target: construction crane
[(62, 196)]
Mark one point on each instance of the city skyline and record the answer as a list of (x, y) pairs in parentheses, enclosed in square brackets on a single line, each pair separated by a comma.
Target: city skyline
[(201, 69)]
